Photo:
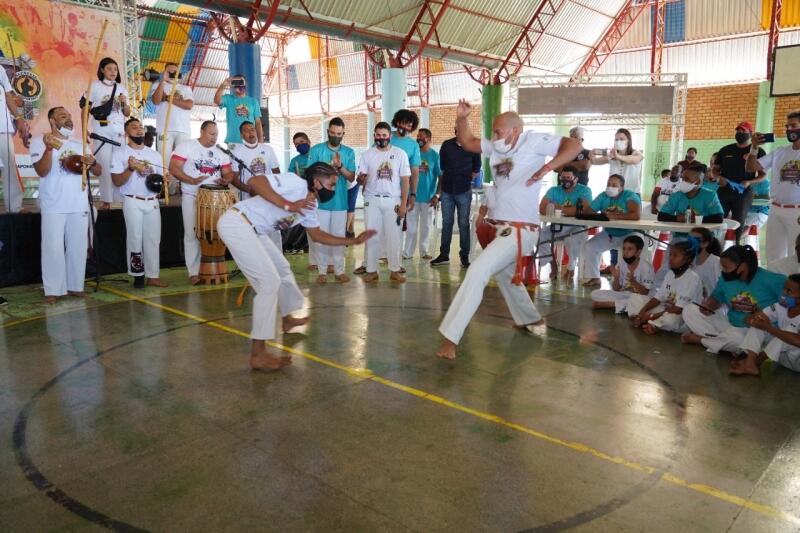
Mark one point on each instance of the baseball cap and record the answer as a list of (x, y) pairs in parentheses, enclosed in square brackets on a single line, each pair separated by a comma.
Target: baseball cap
[(744, 125)]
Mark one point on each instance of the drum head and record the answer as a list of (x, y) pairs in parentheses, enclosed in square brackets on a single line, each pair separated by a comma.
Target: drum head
[(214, 187)]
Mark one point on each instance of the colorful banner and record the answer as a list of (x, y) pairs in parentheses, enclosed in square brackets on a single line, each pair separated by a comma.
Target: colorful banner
[(47, 48)]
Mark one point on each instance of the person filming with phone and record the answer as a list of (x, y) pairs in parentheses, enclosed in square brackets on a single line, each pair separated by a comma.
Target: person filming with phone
[(239, 108)]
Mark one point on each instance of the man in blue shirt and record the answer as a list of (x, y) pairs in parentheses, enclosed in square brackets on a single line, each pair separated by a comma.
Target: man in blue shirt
[(419, 220), (690, 194), (332, 214), (404, 123), (565, 196), (239, 108)]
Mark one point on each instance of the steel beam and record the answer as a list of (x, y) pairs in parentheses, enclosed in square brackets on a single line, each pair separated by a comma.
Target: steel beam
[(425, 17), (323, 57), (774, 34), (657, 41)]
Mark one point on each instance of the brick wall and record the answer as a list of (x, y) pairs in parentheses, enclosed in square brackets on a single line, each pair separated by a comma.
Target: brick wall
[(783, 106), (443, 120)]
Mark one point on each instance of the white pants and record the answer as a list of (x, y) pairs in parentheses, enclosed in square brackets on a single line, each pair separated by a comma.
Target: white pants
[(143, 235), (313, 251), (12, 192), (783, 353), (418, 224), (277, 239), (498, 260), (620, 299), (756, 219), (593, 252), (267, 271), (333, 222), (65, 238), (108, 193), (666, 322), (172, 140), (191, 246), (782, 230), (382, 217), (574, 244), (717, 332)]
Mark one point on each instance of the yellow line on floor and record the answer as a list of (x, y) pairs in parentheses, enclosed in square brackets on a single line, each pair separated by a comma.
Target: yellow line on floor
[(707, 490)]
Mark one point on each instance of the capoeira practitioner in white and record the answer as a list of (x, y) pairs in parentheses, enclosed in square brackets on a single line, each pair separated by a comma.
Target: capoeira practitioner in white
[(57, 159), (518, 163), (245, 230), (131, 166)]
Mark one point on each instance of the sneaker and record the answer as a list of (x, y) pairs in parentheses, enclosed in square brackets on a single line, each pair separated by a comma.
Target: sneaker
[(465, 262), (360, 271), (441, 260), (138, 282)]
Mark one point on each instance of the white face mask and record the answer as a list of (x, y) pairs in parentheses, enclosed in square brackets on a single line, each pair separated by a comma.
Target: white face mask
[(249, 145), (612, 192), (620, 145), (65, 131), (685, 186), (501, 146)]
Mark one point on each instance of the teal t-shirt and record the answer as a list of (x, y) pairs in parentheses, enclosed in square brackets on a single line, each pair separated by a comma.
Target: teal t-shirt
[(744, 299), (410, 147), (322, 152), (299, 164), (706, 202), (239, 109), (559, 195), (603, 202), (429, 172), (760, 189), (711, 185)]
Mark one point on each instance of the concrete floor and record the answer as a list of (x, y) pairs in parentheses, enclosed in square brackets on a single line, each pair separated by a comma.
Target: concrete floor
[(140, 413)]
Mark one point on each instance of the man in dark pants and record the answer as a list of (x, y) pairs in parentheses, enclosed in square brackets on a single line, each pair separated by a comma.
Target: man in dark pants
[(459, 167), (734, 191)]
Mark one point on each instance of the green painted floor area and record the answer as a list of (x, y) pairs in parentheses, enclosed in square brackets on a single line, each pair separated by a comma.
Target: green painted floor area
[(142, 414)]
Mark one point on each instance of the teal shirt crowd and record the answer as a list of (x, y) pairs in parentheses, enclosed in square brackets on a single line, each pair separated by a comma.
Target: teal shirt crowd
[(299, 164), (559, 195), (760, 189), (603, 202), (706, 202), (743, 299), (429, 173), (410, 147), (323, 153)]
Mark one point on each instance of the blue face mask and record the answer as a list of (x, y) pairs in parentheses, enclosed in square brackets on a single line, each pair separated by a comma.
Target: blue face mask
[(787, 301), (303, 148)]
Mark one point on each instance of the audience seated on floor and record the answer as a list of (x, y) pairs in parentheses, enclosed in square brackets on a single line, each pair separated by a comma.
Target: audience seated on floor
[(633, 275)]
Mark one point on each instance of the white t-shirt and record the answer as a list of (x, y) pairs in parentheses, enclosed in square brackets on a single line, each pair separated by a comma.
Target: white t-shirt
[(179, 118), (643, 275), (136, 182), (666, 187), (267, 217), (514, 200), (6, 123), (200, 161), (709, 273), (780, 315), (784, 187), (680, 291), (99, 95), (60, 191), (489, 200), (261, 160), (631, 172), (384, 170), (788, 265)]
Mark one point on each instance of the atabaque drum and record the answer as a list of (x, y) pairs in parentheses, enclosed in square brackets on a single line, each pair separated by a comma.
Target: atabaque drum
[(212, 202)]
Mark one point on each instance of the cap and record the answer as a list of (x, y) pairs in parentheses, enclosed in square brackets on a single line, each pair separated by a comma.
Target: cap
[(744, 125)]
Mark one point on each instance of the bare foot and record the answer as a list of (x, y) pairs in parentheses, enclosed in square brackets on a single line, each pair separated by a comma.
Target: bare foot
[(104, 206), (553, 271), (195, 280), (50, 300), (313, 268), (77, 294), (262, 359), (397, 277), (156, 282), (691, 338), (371, 277), (650, 329), (427, 257), (330, 269), (745, 367), (322, 279), (343, 278), (289, 322), (447, 350)]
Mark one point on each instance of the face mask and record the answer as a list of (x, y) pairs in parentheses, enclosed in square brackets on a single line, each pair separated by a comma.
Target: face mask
[(324, 194), (689, 157), (567, 184), (501, 146), (253, 145), (303, 148), (680, 270), (730, 276), (686, 187), (333, 140), (421, 143), (612, 192), (630, 260), (65, 131), (742, 137), (138, 139), (401, 131), (787, 301), (674, 177), (381, 143), (792, 135), (620, 145)]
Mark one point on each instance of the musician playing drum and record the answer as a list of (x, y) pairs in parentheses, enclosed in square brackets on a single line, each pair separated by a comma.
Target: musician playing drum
[(130, 168), (194, 163), (58, 160)]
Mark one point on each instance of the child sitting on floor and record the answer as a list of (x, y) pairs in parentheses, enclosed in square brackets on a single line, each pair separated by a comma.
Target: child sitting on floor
[(633, 275), (774, 333), (680, 287)]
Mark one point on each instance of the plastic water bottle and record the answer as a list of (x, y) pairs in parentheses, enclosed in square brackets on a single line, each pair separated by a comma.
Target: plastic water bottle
[(551, 210), (688, 216)]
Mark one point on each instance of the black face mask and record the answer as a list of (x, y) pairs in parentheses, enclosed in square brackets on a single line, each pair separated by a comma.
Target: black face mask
[(792, 135), (401, 131), (680, 270), (568, 184), (139, 139), (324, 194), (630, 260), (334, 140), (674, 177), (381, 143), (742, 137), (730, 276)]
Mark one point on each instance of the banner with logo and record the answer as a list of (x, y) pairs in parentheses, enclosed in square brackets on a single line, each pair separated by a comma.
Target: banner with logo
[(46, 49)]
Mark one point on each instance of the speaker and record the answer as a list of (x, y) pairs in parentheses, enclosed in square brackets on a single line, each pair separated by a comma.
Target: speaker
[(265, 122)]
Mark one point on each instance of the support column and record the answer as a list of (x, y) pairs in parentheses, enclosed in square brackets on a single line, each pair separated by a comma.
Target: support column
[(370, 127), (425, 117), (393, 92), (245, 59), (651, 159), (323, 128), (287, 144), (765, 112), (492, 102)]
